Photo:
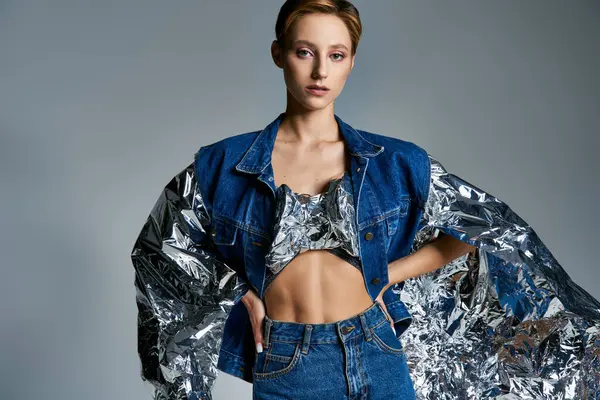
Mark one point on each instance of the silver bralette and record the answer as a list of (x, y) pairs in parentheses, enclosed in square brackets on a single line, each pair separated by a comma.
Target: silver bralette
[(322, 221)]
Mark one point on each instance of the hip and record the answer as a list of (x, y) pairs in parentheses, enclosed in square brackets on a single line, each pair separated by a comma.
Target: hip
[(359, 357)]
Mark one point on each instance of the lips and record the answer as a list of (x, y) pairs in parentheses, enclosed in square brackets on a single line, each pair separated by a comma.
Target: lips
[(316, 92), (317, 87)]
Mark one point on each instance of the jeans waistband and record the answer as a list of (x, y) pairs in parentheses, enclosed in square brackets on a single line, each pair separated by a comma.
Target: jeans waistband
[(294, 332)]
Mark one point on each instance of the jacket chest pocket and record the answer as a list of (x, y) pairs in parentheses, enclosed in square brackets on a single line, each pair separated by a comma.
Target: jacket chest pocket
[(226, 238), (243, 248), (400, 227), (395, 217)]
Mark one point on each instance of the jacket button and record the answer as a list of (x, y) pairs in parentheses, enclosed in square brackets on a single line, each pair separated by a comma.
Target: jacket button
[(368, 236), (375, 281)]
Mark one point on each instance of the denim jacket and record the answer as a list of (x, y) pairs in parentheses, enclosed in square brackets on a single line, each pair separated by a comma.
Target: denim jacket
[(204, 245)]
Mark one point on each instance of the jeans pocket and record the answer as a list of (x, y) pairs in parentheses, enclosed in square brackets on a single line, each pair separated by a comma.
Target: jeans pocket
[(277, 360), (386, 340)]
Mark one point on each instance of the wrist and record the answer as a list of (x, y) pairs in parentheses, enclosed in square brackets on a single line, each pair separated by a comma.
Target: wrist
[(248, 298)]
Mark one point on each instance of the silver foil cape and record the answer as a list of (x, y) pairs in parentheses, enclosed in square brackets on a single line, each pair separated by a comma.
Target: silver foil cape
[(506, 322), (183, 294)]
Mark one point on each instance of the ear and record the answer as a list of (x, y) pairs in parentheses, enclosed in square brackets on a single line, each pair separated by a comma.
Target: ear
[(353, 57), (276, 54)]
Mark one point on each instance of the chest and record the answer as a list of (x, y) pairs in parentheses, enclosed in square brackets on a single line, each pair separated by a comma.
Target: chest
[(244, 212), (308, 169), (242, 207)]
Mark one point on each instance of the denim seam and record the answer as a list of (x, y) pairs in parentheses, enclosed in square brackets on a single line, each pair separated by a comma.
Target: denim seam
[(385, 346), (362, 373), (284, 371), (401, 210), (241, 225), (233, 355)]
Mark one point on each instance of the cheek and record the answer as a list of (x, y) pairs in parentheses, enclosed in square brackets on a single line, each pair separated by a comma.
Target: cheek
[(296, 71), (344, 76), (340, 82), (294, 79), (290, 80)]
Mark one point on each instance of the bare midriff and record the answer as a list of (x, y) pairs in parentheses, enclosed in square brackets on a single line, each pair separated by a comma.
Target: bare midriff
[(316, 287)]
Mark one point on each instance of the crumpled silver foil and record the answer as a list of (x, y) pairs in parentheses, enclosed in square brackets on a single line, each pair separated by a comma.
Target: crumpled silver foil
[(506, 322), (304, 222), (183, 294)]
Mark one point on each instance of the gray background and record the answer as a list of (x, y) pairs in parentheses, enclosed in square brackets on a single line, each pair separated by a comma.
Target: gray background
[(102, 103)]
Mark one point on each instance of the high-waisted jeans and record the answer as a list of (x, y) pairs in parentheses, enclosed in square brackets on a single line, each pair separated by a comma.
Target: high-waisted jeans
[(356, 358)]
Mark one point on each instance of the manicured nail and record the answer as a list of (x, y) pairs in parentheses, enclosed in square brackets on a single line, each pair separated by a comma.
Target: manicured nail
[(259, 348)]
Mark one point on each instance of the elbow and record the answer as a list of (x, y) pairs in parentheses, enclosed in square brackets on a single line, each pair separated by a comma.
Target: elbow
[(453, 248)]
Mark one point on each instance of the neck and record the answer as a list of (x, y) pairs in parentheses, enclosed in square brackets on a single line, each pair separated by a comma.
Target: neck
[(310, 127)]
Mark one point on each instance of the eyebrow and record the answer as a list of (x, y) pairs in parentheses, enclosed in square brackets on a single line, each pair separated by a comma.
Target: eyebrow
[(334, 46)]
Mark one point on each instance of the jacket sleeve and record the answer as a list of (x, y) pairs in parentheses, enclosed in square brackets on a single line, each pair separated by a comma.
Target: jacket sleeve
[(510, 308), (183, 293)]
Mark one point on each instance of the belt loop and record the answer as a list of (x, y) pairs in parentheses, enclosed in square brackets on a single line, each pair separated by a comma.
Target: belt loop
[(382, 311), (365, 327), (267, 331), (306, 339)]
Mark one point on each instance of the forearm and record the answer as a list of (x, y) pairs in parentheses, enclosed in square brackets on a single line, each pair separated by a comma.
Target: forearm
[(430, 257)]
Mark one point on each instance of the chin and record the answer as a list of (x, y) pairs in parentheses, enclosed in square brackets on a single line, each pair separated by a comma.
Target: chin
[(311, 103)]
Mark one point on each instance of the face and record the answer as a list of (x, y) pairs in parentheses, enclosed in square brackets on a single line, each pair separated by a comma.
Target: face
[(318, 53)]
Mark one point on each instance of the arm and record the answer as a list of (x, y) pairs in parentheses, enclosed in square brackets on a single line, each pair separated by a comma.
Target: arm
[(183, 293), (428, 258)]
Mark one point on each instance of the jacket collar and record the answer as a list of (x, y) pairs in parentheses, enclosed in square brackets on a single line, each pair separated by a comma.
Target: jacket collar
[(258, 156)]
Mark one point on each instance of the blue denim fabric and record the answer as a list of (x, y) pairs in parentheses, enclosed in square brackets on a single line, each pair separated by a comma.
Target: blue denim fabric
[(356, 358), (390, 183)]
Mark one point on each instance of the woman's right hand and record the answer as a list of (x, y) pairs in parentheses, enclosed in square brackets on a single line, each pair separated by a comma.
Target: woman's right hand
[(257, 312)]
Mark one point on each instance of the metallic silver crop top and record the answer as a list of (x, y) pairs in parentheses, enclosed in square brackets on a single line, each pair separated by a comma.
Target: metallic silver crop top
[(304, 222)]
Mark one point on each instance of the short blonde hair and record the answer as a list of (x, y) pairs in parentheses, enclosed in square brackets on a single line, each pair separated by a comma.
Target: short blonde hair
[(291, 10)]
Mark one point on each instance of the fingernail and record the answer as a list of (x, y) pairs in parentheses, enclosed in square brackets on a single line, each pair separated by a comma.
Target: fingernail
[(259, 348)]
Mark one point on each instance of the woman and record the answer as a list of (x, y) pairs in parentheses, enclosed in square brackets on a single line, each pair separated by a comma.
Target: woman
[(316, 287), (315, 220)]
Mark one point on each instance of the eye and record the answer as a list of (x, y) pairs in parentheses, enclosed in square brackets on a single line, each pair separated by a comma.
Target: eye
[(301, 51)]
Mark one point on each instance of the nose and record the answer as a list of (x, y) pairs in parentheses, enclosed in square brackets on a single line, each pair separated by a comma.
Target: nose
[(320, 71)]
